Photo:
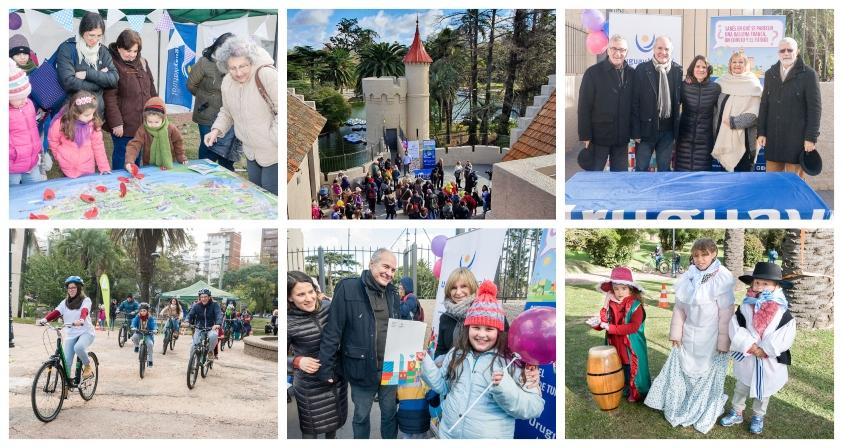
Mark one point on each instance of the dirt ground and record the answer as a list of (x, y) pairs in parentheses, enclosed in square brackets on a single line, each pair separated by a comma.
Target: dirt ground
[(238, 399)]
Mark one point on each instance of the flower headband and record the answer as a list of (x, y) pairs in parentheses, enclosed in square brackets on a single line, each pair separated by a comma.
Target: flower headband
[(84, 100)]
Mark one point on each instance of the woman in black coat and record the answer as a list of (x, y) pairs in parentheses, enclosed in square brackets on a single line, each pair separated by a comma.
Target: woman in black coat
[(696, 127), (322, 406)]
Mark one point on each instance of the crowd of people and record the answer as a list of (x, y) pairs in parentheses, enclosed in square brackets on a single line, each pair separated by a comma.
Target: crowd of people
[(111, 89), (339, 342), (689, 121), (416, 198)]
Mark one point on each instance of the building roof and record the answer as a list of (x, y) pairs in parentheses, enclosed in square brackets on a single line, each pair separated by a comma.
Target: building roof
[(539, 139), (417, 54), (303, 126)]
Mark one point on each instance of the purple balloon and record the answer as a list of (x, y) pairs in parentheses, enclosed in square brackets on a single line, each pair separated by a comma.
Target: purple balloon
[(14, 21), (592, 20), (437, 246), (533, 335)]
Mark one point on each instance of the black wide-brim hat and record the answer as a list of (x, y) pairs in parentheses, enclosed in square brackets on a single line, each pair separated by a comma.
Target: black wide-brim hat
[(811, 162), (585, 159), (766, 271)]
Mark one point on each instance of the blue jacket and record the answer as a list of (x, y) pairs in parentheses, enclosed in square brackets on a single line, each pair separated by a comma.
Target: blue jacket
[(129, 307), (150, 324), (409, 303), (494, 415), (205, 316)]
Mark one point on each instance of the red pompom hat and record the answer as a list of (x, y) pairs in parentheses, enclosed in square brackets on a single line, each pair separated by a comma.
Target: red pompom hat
[(485, 310)]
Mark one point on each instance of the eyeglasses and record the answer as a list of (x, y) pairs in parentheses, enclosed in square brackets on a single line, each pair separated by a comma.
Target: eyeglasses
[(72, 287), (786, 50), (617, 50)]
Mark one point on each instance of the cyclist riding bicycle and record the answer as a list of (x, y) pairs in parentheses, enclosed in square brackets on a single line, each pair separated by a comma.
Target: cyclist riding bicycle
[(172, 313), (75, 309), (205, 314), (144, 322), (129, 307)]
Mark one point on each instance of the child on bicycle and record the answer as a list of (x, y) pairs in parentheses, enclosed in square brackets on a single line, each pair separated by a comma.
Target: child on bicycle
[(172, 313), (144, 322), (75, 309)]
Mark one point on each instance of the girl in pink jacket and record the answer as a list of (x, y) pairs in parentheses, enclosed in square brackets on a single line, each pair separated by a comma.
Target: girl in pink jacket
[(76, 137), (24, 141)]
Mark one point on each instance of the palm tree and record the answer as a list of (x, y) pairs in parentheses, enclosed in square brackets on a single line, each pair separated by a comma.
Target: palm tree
[(516, 58), (808, 259), (142, 243), (444, 84), (339, 68), (95, 252), (733, 247), (380, 59), (311, 61)]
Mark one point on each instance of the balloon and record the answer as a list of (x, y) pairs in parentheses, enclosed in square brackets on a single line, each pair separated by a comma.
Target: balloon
[(533, 335), (14, 21), (593, 20), (437, 268), (606, 28), (437, 246), (596, 43)]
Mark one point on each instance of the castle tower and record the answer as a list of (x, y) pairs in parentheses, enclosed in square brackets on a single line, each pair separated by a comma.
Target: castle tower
[(417, 71)]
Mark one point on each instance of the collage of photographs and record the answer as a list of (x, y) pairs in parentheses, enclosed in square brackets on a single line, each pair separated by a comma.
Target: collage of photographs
[(696, 214)]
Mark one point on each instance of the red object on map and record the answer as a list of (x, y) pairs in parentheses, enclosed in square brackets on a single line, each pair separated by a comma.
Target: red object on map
[(133, 169), (102, 188), (87, 198), (122, 190), (139, 176), (49, 194), (34, 216), (163, 168), (92, 213), (123, 179)]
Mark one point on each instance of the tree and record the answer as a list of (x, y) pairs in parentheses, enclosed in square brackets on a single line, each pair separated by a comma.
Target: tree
[(45, 276), (518, 44), (351, 37), (333, 261), (733, 251), (258, 292), (95, 252), (310, 60), (808, 261), (444, 83), (142, 243), (487, 104), (380, 59), (338, 68), (332, 105), (683, 237)]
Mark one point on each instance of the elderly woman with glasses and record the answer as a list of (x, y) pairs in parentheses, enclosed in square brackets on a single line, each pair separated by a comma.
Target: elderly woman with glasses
[(735, 126)]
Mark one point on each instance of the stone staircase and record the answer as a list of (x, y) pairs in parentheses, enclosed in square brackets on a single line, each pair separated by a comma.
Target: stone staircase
[(538, 103), (312, 104)]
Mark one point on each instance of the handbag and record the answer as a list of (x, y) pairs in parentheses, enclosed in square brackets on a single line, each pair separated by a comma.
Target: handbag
[(263, 91), (47, 92)]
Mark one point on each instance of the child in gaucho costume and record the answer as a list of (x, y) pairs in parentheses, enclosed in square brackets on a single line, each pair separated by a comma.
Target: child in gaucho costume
[(622, 317)]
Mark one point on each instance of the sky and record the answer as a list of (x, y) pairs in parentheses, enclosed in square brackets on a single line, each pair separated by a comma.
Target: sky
[(365, 238), (315, 26)]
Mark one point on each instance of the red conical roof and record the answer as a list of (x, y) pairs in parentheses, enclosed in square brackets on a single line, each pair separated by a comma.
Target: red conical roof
[(417, 54)]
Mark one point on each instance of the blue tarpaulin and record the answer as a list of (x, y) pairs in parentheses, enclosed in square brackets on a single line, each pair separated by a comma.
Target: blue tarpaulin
[(694, 195)]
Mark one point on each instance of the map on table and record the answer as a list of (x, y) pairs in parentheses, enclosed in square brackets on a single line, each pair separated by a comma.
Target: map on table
[(179, 193)]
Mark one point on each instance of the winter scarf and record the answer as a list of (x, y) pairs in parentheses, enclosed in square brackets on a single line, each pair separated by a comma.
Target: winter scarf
[(28, 67), (458, 311), (82, 132), (161, 153), (74, 303), (744, 92), (765, 304), (699, 277), (88, 55), (664, 88)]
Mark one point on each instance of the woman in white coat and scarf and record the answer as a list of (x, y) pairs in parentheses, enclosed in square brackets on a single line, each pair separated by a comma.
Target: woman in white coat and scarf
[(735, 126)]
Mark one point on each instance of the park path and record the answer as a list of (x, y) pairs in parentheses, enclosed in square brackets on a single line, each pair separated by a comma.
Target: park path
[(238, 399)]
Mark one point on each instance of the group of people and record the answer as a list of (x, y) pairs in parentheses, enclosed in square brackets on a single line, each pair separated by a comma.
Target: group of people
[(416, 198), (689, 120), (706, 332), (340, 342), (112, 89)]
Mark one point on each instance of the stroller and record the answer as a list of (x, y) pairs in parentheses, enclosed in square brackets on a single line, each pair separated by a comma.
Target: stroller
[(324, 197)]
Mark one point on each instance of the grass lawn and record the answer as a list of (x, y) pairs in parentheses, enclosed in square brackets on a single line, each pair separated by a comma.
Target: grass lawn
[(803, 409)]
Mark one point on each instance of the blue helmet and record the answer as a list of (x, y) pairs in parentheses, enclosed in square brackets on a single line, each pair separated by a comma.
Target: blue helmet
[(74, 279)]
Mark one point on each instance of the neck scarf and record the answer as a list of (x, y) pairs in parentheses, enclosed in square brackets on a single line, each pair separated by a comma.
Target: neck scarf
[(160, 154), (664, 88), (744, 92), (699, 277), (765, 305), (82, 132), (88, 55), (459, 310), (28, 67), (74, 303)]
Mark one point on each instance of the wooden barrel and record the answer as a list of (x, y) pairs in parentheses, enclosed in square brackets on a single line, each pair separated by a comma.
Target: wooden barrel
[(605, 376)]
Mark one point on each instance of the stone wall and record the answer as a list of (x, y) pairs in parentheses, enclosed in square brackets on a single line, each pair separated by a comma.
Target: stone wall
[(524, 189)]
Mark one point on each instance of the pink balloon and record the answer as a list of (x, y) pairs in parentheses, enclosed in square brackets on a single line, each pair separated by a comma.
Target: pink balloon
[(592, 20), (597, 42), (533, 335), (437, 268)]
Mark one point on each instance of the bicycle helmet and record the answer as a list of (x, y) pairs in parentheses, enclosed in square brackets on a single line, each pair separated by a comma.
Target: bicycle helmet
[(74, 279), (205, 291), (144, 306)]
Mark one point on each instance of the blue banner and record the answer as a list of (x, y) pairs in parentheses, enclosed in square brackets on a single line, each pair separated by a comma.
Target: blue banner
[(181, 55), (428, 153), (542, 292)]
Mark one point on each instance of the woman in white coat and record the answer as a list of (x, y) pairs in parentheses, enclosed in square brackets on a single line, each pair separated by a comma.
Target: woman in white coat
[(735, 126), (689, 389)]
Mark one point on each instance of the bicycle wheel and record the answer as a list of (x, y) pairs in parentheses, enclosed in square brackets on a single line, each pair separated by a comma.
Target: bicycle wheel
[(230, 340), (221, 342), (664, 267), (167, 336), (205, 363), (142, 357), (87, 387), (172, 342), (192, 369), (122, 336), (48, 391)]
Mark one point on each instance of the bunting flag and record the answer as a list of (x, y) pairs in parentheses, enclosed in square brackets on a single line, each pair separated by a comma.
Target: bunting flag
[(34, 19), (113, 16), (189, 56), (136, 22), (175, 40), (64, 17), (155, 16), (261, 33), (165, 23)]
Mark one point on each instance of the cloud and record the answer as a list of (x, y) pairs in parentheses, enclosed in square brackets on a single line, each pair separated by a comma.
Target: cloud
[(309, 28), (400, 28), (312, 17)]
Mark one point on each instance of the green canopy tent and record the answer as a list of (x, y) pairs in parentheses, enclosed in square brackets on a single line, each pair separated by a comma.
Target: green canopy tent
[(188, 295)]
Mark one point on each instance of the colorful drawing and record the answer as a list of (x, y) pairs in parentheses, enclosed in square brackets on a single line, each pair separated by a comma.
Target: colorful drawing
[(179, 193), (404, 339)]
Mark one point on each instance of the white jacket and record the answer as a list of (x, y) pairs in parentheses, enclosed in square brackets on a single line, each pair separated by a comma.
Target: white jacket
[(764, 376)]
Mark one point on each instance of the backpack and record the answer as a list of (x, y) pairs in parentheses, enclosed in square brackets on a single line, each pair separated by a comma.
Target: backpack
[(418, 314), (370, 192)]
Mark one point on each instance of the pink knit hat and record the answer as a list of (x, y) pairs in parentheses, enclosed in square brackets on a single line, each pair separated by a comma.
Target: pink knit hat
[(485, 310), (19, 87)]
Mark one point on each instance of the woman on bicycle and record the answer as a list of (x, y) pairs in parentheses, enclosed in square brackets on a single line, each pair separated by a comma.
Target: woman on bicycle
[(172, 314), (144, 322), (75, 309)]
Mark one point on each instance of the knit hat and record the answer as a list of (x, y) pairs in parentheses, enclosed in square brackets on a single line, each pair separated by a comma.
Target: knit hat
[(621, 276), (19, 87), (485, 310), (155, 104), (18, 45)]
